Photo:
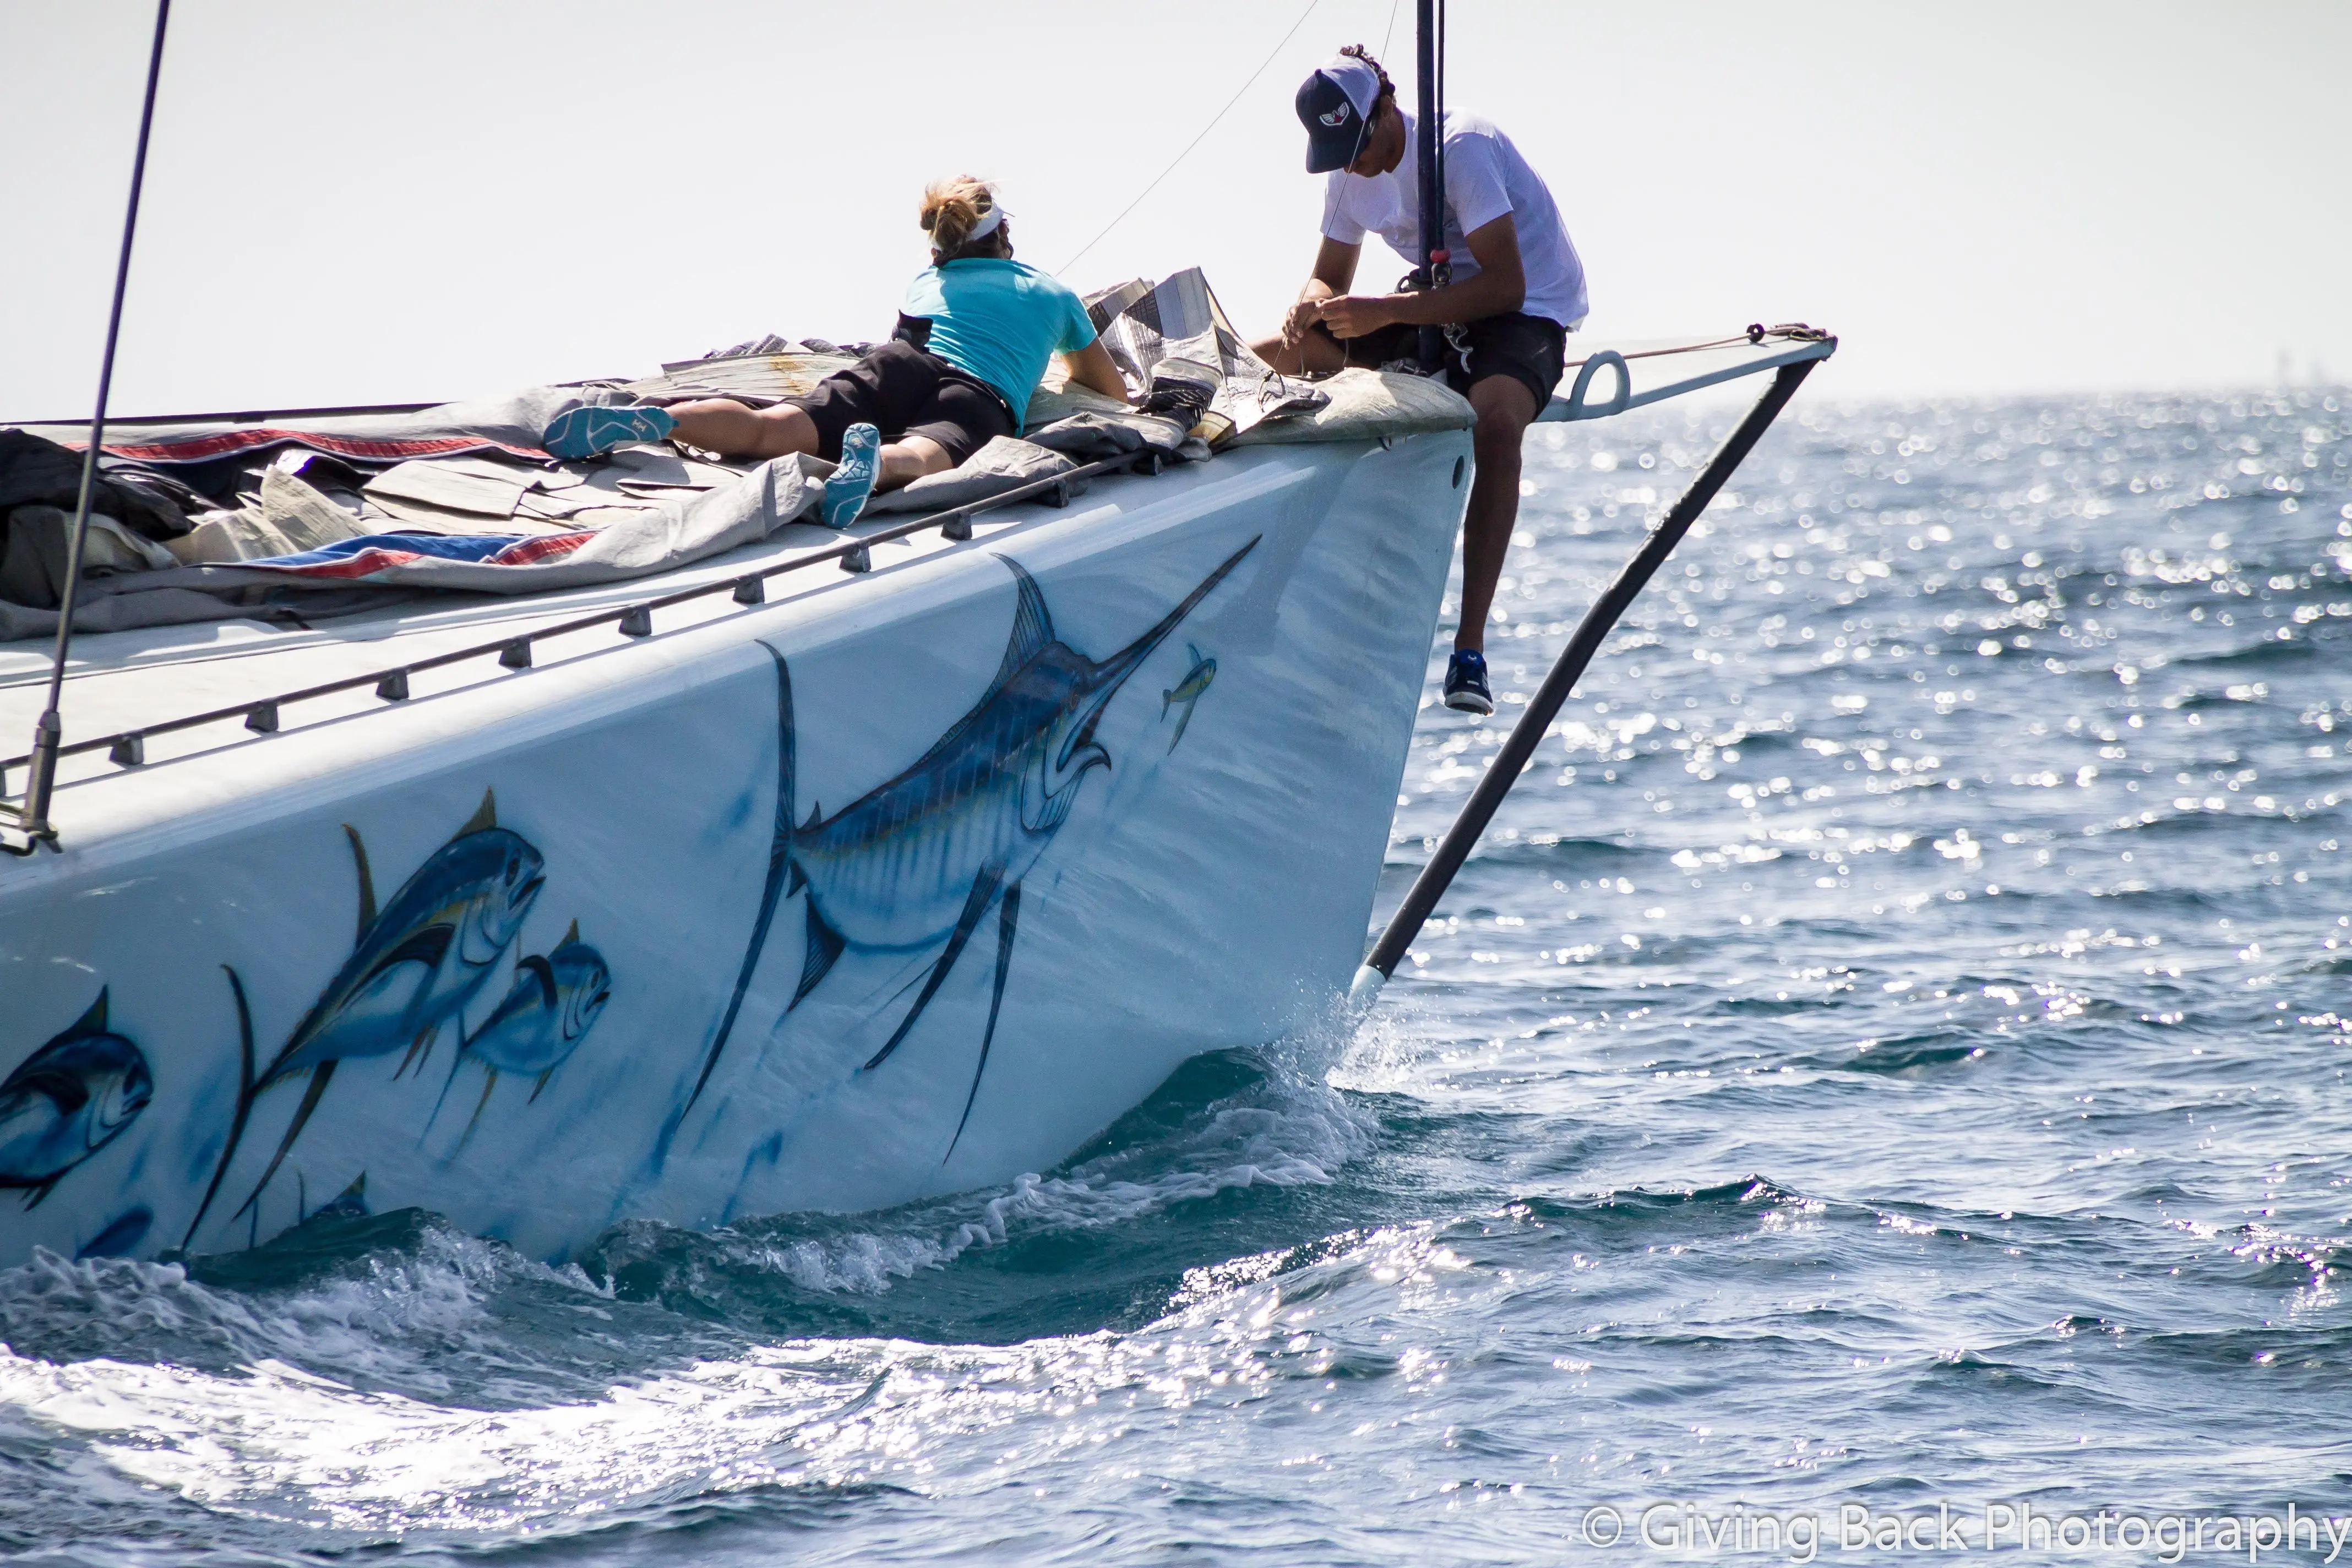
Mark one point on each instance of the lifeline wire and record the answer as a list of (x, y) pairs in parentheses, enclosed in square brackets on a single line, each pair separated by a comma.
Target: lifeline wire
[(1196, 141), (50, 729)]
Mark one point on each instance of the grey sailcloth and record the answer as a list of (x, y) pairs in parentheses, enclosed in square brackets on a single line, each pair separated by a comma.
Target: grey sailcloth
[(1175, 331)]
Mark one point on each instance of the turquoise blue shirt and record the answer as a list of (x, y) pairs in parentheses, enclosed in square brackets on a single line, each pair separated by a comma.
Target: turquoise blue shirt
[(999, 319)]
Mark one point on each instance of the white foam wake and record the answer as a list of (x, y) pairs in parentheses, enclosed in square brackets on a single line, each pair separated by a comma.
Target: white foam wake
[(278, 1445)]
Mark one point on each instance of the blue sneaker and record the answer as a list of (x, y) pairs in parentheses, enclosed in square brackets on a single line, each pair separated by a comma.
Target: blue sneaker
[(852, 483), (586, 431), (1465, 682)]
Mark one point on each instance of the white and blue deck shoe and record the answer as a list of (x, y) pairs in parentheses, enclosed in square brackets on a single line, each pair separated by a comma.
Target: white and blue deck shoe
[(586, 431), (847, 491)]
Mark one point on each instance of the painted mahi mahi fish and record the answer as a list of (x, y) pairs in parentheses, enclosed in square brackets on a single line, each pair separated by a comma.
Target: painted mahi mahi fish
[(1188, 692), (921, 859)]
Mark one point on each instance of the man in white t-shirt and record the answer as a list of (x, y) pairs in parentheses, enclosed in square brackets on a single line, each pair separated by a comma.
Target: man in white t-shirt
[(1518, 289)]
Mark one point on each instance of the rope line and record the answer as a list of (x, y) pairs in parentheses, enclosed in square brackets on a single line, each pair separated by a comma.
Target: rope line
[(1796, 332), (1196, 141)]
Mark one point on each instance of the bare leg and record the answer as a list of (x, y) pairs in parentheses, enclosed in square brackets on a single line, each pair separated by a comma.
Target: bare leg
[(1505, 408), (908, 458), (723, 426)]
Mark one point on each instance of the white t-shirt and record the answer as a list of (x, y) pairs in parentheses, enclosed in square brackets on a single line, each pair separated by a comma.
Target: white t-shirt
[(1484, 178)]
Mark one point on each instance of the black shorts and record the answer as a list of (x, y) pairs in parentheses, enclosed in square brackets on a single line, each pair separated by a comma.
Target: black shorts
[(1532, 349), (902, 390)]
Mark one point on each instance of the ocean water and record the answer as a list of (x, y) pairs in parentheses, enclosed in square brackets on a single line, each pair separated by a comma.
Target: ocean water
[(1890, 1058)]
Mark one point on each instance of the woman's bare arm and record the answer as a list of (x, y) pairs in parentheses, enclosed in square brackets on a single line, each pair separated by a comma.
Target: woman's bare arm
[(1093, 368)]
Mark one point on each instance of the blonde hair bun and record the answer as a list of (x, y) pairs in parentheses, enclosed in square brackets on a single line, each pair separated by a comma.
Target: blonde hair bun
[(952, 210)]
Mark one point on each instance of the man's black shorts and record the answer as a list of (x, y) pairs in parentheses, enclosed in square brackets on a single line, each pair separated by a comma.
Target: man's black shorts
[(902, 390), (1532, 349)]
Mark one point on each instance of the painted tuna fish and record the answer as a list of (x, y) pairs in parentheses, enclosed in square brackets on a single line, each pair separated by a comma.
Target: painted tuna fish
[(417, 961), (1187, 692), (68, 1100), (556, 1000), (425, 954), (921, 858)]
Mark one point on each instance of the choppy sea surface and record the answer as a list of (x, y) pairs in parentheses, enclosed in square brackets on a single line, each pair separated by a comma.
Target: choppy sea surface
[(1891, 1056)]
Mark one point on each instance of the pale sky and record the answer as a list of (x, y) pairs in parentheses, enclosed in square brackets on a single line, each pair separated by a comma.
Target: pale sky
[(377, 203)]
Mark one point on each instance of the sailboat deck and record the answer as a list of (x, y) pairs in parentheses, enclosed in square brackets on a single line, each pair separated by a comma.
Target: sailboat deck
[(138, 681)]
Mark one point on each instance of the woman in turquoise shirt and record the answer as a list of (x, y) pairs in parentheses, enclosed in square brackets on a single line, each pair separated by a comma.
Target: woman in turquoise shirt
[(975, 336)]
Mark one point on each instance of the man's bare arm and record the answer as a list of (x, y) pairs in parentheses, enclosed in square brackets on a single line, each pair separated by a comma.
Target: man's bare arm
[(1335, 269), (1500, 288)]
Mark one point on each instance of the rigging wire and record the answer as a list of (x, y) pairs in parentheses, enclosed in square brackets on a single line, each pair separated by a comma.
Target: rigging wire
[(50, 729), (1196, 141)]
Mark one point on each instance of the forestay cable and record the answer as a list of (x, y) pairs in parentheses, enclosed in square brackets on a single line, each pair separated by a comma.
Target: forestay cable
[(48, 730), (1196, 141)]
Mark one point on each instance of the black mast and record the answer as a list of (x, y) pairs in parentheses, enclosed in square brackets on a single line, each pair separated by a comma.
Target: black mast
[(1433, 270)]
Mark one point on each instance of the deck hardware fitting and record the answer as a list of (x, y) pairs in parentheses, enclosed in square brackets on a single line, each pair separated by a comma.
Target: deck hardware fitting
[(858, 560), (262, 718), (1059, 496), (516, 655), (130, 751), (752, 591), (637, 622), (393, 687), (1619, 401), (957, 527)]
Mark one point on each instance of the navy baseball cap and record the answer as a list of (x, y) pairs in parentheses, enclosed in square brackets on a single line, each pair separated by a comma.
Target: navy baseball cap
[(1335, 104)]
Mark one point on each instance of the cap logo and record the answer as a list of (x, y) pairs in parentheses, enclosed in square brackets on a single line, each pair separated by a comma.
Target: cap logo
[(1337, 117)]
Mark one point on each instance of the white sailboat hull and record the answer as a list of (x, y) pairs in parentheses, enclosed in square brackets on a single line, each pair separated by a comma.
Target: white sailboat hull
[(570, 867)]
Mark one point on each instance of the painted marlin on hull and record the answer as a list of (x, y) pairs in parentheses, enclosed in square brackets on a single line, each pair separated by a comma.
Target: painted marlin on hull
[(922, 857)]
